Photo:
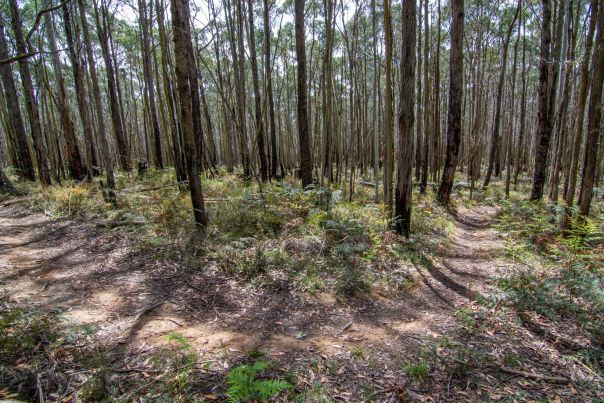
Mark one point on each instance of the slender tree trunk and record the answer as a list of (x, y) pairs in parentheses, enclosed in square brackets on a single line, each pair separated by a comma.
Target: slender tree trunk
[(74, 159), (149, 82), (436, 119), (186, 80), (96, 91), (594, 119), (406, 120), (114, 103), (260, 134), (81, 96), (510, 156), (581, 102), (388, 111), (495, 137), (544, 125), (302, 105), (16, 126), (269, 90), (179, 158), (521, 131), (426, 144), (455, 98)]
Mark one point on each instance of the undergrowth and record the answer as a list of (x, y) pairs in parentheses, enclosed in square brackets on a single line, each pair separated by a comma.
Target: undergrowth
[(563, 274)]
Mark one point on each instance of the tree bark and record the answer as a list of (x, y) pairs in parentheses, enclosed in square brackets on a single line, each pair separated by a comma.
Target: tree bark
[(114, 104), (495, 137), (260, 135), (581, 103), (455, 98), (388, 111), (74, 160), (186, 73), (81, 97), (594, 119), (16, 126), (149, 82), (302, 104), (96, 92), (406, 120), (269, 90), (544, 124)]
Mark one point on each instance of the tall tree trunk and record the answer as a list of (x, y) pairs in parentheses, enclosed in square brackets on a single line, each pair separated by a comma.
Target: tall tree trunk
[(179, 158), (98, 106), (328, 91), (102, 27), (239, 62), (16, 126), (594, 119), (74, 159), (260, 135), (455, 97), (426, 143), (144, 23), (302, 104), (495, 137), (82, 101), (268, 79), (510, 156), (546, 86), (521, 131), (406, 120), (436, 132), (388, 111), (186, 80), (581, 102)]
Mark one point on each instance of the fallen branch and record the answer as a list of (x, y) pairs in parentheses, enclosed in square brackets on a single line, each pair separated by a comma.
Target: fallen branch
[(346, 326), (538, 377), (553, 338), (139, 370)]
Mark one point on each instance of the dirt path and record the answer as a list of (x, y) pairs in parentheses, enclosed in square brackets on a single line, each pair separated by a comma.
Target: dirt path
[(95, 277)]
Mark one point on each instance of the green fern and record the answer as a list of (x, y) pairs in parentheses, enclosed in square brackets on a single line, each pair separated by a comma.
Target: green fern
[(244, 386)]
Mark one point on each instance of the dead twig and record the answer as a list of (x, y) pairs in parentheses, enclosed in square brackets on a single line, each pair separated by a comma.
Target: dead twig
[(346, 326), (40, 391), (538, 377)]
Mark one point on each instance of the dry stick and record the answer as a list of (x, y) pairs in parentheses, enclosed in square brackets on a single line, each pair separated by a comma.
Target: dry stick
[(346, 326), (40, 391), (538, 377)]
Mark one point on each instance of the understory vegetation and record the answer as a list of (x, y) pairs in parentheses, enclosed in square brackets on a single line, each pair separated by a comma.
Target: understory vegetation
[(315, 242), (314, 237)]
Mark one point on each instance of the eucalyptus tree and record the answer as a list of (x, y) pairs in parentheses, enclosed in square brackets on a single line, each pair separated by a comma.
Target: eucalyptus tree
[(406, 120), (455, 98), (302, 104), (186, 81)]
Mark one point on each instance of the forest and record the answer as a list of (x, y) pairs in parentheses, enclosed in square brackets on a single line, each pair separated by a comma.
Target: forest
[(301, 200)]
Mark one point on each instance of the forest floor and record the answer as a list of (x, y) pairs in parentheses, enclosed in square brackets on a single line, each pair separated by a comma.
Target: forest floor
[(145, 323)]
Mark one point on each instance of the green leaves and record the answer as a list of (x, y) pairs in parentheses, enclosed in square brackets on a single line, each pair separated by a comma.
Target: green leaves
[(243, 385)]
